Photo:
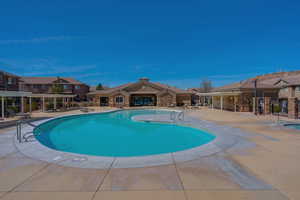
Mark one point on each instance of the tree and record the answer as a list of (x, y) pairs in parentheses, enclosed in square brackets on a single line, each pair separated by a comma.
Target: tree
[(205, 85), (99, 87), (57, 88)]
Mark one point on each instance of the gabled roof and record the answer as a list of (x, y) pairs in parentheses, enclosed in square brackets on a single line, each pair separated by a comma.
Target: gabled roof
[(280, 81), (111, 90), (172, 88), (268, 81), (8, 74), (48, 80), (248, 84), (233, 86), (145, 81), (94, 88), (290, 80)]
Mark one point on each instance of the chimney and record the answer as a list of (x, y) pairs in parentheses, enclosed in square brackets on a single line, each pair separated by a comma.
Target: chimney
[(144, 79)]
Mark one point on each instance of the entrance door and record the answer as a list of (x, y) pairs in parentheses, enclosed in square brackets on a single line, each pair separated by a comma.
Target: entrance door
[(284, 106), (103, 101), (143, 100), (261, 105)]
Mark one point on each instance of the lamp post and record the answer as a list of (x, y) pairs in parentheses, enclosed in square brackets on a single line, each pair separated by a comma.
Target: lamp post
[(255, 96)]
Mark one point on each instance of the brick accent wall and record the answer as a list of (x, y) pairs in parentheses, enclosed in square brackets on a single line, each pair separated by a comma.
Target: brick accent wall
[(267, 105), (293, 108), (166, 100)]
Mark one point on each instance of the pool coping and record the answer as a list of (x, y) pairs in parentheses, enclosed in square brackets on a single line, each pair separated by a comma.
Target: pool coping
[(226, 137)]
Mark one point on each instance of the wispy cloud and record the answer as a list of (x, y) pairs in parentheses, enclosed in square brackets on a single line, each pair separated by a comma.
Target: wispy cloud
[(39, 39), (44, 67), (61, 69)]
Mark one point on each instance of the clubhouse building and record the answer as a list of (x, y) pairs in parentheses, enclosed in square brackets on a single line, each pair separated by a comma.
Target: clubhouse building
[(142, 93)]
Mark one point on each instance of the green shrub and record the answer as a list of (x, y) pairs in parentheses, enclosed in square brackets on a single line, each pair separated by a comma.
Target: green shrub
[(34, 105), (13, 108), (277, 108), (50, 106), (56, 88)]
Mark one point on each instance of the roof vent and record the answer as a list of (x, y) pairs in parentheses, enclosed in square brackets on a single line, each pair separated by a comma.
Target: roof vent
[(144, 79)]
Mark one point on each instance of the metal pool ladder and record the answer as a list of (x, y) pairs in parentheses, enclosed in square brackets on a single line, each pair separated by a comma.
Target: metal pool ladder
[(179, 117), (173, 116), (26, 136)]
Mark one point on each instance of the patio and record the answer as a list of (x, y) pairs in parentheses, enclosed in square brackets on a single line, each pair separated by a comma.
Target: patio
[(270, 158), (26, 100)]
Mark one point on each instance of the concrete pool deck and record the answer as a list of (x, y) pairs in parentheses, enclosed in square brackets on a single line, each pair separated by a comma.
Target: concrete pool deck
[(266, 166)]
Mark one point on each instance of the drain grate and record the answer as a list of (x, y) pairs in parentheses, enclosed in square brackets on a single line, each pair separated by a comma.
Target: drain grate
[(79, 159)]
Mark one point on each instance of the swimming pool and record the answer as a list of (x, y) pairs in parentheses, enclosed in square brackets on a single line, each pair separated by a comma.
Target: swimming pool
[(115, 134), (294, 126)]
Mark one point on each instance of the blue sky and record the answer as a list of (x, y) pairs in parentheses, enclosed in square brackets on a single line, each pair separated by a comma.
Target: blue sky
[(175, 42)]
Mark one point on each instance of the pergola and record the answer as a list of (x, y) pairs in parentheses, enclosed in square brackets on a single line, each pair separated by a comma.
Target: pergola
[(221, 95), (54, 96), (30, 95)]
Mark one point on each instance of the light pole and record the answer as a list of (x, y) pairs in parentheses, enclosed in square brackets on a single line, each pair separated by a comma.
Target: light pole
[(255, 96)]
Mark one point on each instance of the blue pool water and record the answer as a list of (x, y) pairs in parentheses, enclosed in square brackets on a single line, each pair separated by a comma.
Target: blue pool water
[(295, 126), (115, 134)]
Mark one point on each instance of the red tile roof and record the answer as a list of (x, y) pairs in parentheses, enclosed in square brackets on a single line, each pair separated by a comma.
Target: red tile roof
[(124, 86), (267, 81), (48, 80)]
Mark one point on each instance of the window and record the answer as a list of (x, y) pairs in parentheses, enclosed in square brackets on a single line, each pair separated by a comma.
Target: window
[(10, 81), (36, 86), (285, 89), (119, 99), (297, 88), (66, 87), (77, 87), (1, 77)]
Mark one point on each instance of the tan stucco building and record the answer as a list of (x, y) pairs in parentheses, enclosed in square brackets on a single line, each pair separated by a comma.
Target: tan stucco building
[(141, 93), (259, 94), (289, 95)]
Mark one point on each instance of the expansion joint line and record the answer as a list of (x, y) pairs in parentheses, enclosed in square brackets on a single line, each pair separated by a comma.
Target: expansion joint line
[(24, 181), (101, 183), (177, 172)]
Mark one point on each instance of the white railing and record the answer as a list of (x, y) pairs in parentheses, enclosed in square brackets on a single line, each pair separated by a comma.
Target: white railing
[(26, 136), (173, 116), (19, 131), (180, 116), (177, 117)]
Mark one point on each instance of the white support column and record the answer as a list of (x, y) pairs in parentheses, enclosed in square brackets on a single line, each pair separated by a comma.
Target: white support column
[(30, 106), (2, 103), (212, 102), (22, 104), (54, 103), (43, 109), (254, 105), (222, 103)]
